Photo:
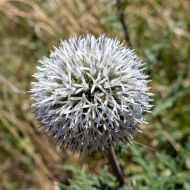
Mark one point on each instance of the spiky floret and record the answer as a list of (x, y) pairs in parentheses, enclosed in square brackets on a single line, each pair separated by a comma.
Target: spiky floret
[(91, 93)]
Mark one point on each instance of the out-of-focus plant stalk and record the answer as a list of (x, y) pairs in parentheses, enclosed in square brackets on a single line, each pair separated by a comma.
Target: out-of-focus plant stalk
[(123, 21)]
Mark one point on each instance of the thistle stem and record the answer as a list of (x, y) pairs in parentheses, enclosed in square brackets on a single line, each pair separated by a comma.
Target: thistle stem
[(115, 166)]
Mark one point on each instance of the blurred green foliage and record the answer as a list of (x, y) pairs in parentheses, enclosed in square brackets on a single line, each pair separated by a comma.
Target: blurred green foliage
[(147, 171), (160, 34), (84, 180)]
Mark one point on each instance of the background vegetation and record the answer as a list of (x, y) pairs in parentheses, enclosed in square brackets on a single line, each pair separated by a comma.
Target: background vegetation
[(159, 32)]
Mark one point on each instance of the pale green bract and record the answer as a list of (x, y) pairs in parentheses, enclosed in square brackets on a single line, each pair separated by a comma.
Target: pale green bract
[(91, 93)]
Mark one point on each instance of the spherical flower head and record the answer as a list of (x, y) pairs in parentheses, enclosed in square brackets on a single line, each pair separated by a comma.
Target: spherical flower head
[(91, 93)]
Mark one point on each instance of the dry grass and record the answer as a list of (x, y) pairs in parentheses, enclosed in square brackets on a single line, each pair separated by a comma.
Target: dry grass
[(55, 17)]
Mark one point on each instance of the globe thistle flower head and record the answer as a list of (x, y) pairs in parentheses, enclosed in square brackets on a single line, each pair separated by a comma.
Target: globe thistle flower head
[(91, 93)]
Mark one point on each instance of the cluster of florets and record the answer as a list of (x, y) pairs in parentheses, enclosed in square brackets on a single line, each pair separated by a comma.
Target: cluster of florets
[(91, 93)]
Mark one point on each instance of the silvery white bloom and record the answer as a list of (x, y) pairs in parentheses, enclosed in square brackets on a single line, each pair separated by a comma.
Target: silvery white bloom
[(91, 93)]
